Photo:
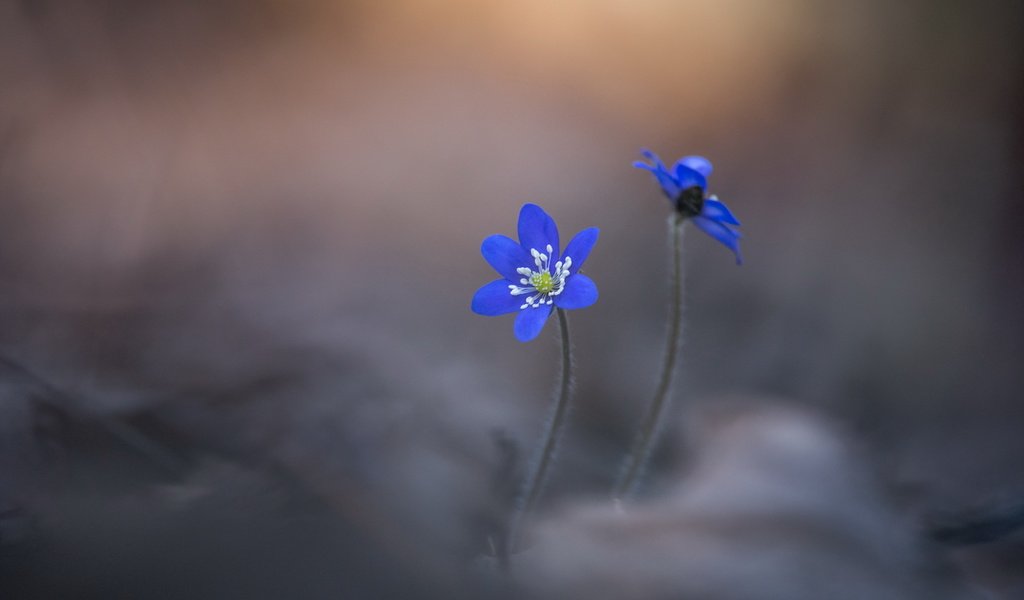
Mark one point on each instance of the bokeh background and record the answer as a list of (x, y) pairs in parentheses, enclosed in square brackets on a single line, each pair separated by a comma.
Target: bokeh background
[(238, 242)]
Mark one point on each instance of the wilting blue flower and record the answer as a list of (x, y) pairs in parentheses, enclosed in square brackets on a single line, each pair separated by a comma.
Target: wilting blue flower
[(534, 280), (686, 187)]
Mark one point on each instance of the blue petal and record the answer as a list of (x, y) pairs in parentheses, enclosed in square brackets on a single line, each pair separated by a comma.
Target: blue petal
[(687, 177), (580, 292), (722, 233), (697, 163), (579, 247), (715, 210), (654, 158), (538, 230), (505, 255), (668, 183), (495, 299), (530, 321)]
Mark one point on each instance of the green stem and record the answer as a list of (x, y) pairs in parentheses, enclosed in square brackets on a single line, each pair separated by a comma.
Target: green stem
[(645, 438), (535, 483)]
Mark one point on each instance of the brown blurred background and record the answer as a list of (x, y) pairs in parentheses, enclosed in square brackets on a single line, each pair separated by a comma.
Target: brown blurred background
[(238, 242)]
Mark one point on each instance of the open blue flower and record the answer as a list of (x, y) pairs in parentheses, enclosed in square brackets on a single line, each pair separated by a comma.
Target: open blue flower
[(685, 184), (534, 280)]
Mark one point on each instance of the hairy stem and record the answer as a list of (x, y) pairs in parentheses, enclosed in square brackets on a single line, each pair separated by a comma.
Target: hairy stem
[(538, 476), (645, 438)]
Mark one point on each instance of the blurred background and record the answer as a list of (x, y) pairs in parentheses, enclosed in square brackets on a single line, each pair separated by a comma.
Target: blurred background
[(238, 242)]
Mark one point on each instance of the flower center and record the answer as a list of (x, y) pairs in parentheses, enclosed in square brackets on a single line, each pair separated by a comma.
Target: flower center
[(541, 282), (690, 201)]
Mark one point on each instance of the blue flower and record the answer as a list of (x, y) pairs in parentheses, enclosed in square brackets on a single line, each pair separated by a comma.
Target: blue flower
[(686, 187), (534, 280)]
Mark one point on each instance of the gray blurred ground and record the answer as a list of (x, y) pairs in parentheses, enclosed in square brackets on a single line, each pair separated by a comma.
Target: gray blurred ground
[(238, 242), (778, 504)]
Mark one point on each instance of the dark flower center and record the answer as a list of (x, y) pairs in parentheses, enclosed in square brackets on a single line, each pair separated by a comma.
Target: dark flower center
[(690, 201)]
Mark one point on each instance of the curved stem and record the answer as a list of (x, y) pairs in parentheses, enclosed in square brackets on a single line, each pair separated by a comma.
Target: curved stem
[(537, 478), (647, 435)]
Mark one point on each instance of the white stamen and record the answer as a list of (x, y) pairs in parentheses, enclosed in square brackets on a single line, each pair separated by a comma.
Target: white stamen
[(556, 276)]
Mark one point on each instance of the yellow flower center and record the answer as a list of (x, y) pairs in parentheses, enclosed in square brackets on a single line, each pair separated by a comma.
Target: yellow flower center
[(543, 282), (540, 284)]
